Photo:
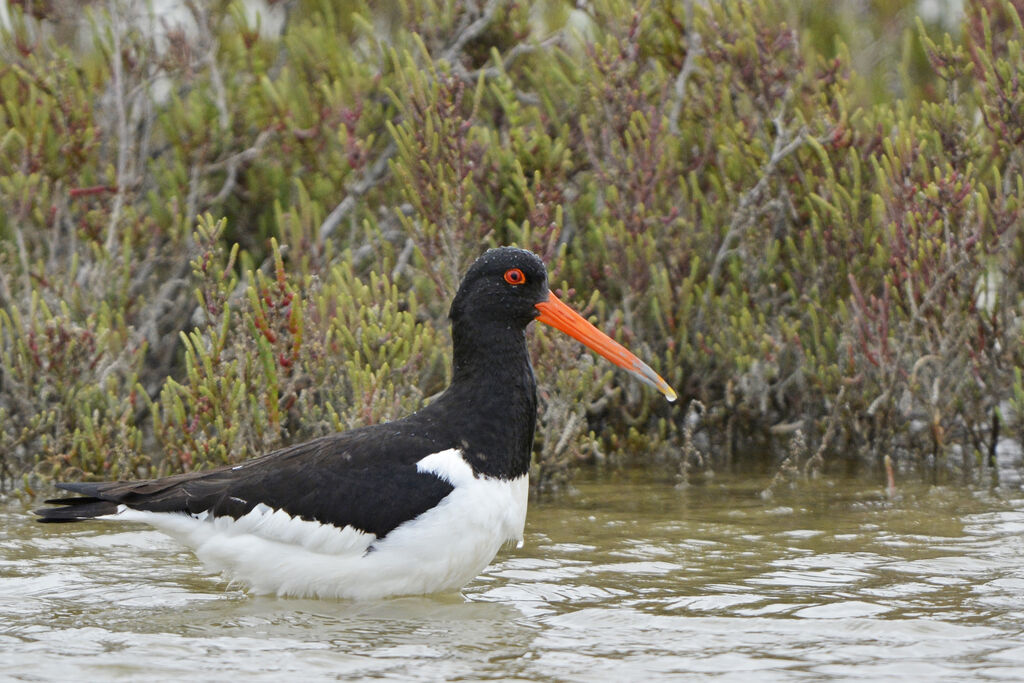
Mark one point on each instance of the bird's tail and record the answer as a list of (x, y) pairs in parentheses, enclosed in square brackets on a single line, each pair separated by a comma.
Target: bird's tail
[(87, 505)]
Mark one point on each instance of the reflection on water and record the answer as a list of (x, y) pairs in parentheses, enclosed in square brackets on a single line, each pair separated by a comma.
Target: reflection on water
[(622, 580)]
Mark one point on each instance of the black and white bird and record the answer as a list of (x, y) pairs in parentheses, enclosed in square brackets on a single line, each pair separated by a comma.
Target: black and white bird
[(419, 505)]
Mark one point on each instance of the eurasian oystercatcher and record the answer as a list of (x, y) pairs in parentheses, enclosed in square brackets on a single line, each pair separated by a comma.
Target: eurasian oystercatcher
[(418, 505)]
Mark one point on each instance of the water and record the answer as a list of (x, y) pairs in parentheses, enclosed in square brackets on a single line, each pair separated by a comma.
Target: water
[(624, 580)]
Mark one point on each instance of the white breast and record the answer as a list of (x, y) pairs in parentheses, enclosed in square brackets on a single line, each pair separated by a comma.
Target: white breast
[(441, 550)]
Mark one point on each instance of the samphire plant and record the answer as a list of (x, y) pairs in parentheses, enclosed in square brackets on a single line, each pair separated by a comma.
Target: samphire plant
[(221, 232)]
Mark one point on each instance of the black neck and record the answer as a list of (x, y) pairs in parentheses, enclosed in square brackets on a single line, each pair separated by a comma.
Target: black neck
[(491, 405)]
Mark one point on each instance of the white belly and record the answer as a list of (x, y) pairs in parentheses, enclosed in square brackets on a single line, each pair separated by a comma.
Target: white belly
[(441, 550)]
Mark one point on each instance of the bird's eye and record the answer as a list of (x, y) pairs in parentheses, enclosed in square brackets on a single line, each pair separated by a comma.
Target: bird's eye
[(514, 276)]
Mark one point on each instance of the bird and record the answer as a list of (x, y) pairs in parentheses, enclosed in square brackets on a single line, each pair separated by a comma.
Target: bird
[(419, 505)]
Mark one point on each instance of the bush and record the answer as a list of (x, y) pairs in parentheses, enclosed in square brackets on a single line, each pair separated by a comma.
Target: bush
[(821, 247)]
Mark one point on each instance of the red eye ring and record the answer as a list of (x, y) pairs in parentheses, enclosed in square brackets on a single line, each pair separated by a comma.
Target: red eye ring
[(514, 276)]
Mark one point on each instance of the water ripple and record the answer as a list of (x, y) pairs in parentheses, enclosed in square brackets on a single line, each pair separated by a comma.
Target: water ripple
[(623, 581)]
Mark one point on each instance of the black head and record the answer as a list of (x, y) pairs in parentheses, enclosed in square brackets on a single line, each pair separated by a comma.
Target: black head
[(502, 292), (504, 286)]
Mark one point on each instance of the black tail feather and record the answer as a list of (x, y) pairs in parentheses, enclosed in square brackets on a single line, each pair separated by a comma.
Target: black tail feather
[(75, 509), (86, 505), (99, 498), (92, 489)]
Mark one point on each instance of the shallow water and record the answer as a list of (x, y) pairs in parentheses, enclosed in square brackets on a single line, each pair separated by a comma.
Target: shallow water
[(622, 580)]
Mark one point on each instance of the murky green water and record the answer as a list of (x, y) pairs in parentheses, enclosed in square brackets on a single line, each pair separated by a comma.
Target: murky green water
[(622, 581)]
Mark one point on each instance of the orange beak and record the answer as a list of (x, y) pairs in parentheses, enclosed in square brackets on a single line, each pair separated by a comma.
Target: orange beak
[(555, 313)]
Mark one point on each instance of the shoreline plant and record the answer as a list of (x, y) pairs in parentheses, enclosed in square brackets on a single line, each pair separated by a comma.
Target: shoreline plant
[(221, 234)]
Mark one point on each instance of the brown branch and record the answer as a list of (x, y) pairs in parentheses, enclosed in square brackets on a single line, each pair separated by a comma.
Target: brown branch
[(232, 164), (374, 174), (472, 31), (120, 111), (695, 49), (743, 216)]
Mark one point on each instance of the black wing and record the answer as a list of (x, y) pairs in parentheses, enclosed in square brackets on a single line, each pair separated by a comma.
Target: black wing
[(365, 478)]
